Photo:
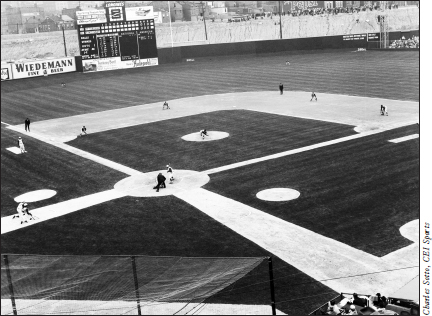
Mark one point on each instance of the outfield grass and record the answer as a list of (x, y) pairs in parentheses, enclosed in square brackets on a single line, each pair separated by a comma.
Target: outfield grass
[(359, 192), (48, 167), (392, 75), (347, 180), (150, 147)]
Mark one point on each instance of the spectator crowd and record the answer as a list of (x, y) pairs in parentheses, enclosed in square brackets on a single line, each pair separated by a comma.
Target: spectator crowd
[(413, 42)]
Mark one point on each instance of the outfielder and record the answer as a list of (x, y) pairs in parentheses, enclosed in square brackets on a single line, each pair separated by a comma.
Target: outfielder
[(170, 173), (21, 145), (203, 133)]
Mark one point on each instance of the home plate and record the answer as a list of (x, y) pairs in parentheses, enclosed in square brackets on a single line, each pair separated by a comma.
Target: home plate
[(15, 150), (278, 194), (35, 196)]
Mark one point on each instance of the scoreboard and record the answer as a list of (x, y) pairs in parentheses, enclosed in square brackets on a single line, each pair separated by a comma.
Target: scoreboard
[(126, 41)]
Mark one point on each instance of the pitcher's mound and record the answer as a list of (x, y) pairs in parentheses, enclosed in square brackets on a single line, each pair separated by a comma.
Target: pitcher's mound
[(213, 135), (278, 194), (142, 185), (35, 196)]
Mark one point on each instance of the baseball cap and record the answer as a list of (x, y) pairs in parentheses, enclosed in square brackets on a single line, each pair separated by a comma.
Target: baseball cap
[(25, 204), (19, 137), (352, 307)]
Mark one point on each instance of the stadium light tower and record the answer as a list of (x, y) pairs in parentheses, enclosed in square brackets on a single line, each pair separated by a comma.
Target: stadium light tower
[(383, 21)]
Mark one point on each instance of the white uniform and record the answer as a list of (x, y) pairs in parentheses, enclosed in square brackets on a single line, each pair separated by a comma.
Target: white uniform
[(170, 174), (22, 215), (21, 145), (385, 110)]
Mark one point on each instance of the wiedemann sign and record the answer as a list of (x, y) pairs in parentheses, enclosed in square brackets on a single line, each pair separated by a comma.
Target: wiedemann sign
[(43, 67)]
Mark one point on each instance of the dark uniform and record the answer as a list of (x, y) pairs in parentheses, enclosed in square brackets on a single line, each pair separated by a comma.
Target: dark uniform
[(314, 96), (281, 88), (165, 105), (161, 182), (27, 124), (83, 131)]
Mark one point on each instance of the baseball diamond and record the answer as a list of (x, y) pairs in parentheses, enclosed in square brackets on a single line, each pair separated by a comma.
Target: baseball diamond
[(329, 189)]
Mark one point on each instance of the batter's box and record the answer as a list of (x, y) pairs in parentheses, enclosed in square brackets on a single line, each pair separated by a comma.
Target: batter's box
[(15, 150)]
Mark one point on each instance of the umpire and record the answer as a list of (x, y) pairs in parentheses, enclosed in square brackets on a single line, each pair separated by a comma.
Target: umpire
[(281, 88), (27, 124), (161, 182)]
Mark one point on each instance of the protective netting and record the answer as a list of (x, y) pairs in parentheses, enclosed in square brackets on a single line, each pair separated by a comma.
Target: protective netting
[(115, 285)]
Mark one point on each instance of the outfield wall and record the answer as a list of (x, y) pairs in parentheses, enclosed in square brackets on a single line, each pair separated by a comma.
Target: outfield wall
[(179, 54)]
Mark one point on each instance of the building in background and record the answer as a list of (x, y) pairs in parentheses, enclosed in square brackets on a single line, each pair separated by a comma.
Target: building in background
[(49, 24), (12, 20), (31, 25), (161, 16), (176, 11), (66, 22)]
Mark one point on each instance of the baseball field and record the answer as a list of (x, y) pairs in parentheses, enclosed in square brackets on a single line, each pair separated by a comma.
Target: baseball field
[(352, 228)]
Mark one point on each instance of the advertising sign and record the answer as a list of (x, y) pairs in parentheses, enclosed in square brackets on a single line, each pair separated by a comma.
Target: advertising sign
[(91, 17), (139, 13), (37, 68), (374, 37), (115, 11), (114, 63), (6, 71), (354, 37)]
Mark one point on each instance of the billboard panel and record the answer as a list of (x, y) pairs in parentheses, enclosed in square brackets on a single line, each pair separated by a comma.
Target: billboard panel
[(91, 17), (37, 68), (6, 71), (114, 63), (139, 13)]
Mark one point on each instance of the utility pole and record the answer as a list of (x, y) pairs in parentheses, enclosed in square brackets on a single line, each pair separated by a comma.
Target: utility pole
[(280, 20), (64, 41), (205, 27)]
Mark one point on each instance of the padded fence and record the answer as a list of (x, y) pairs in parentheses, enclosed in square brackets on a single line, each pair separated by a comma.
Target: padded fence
[(40, 285)]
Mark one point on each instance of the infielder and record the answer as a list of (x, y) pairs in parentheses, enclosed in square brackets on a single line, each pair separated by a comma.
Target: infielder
[(170, 174), (165, 105), (83, 131), (203, 133), (314, 96), (21, 145)]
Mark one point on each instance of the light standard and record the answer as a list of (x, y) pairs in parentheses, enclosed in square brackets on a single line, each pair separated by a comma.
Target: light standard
[(203, 13)]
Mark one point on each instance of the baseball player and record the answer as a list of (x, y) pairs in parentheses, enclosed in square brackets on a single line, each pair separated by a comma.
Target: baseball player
[(21, 213), (287, 63), (170, 173), (165, 105), (27, 212), (203, 133), (21, 145), (384, 110), (83, 131), (314, 96)]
